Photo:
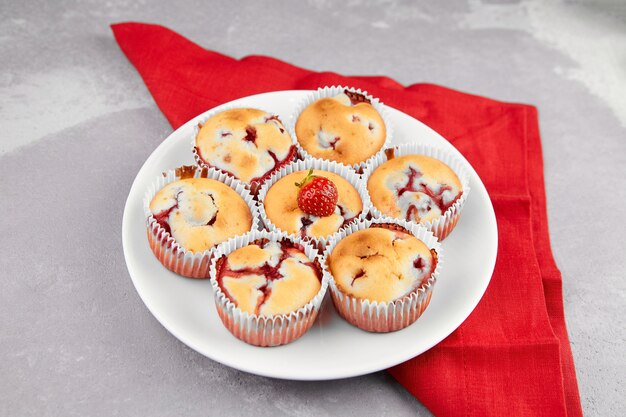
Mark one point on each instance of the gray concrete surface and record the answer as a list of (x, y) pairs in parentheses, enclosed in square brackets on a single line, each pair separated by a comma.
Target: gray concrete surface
[(77, 123)]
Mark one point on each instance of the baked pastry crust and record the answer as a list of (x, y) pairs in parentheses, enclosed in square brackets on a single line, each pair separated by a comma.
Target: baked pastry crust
[(281, 206), (380, 264), (414, 188), (345, 128), (268, 278), (200, 213), (247, 143)]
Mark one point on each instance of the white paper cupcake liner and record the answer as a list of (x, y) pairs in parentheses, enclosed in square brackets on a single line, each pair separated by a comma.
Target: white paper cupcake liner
[(169, 252), (265, 330), (442, 226), (324, 165), (380, 316), (255, 185), (331, 92)]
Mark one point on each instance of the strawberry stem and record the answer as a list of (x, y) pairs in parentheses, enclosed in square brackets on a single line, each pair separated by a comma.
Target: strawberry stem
[(306, 179)]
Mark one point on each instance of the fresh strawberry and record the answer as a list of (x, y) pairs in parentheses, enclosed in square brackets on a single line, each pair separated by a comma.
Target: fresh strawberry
[(317, 196)]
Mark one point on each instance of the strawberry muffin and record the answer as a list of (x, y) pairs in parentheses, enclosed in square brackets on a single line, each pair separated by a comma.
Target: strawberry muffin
[(345, 128), (267, 278), (380, 264), (263, 277), (247, 143), (189, 214), (383, 272), (414, 188), (312, 203)]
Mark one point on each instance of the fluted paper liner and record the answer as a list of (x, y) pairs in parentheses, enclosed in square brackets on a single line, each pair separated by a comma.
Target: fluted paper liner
[(380, 316), (254, 185), (323, 165), (261, 330), (331, 92), (169, 252), (442, 226)]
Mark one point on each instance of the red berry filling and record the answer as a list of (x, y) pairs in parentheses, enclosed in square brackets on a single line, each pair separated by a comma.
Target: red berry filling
[(162, 218), (419, 186), (251, 136), (410, 186), (279, 124), (333, 143), (356, 98), (271, 273), (342, 213), (419, 263), (278, 164), (358, 275), (356, 118), (305, 221)]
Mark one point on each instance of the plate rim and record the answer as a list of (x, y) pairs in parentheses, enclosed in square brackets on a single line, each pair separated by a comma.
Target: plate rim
[(363, 370)]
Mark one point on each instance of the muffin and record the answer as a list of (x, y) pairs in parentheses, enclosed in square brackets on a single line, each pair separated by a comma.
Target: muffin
[(267, 278), (413, 187), (382, 273), (379, 264), (247, 143), (268, 288), (344, 127), (282, 208), (189, 216)]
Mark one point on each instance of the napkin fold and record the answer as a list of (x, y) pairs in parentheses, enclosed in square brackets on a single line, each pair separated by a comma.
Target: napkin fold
[(512, 355)]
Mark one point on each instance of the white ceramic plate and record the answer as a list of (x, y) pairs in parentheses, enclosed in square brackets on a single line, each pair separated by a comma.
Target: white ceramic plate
[(332, 348)]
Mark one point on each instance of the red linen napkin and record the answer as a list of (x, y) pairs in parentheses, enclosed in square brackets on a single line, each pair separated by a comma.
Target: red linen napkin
[(512, 355)]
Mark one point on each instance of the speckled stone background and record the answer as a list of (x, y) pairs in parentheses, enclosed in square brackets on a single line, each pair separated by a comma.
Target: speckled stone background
[(77, 123)]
